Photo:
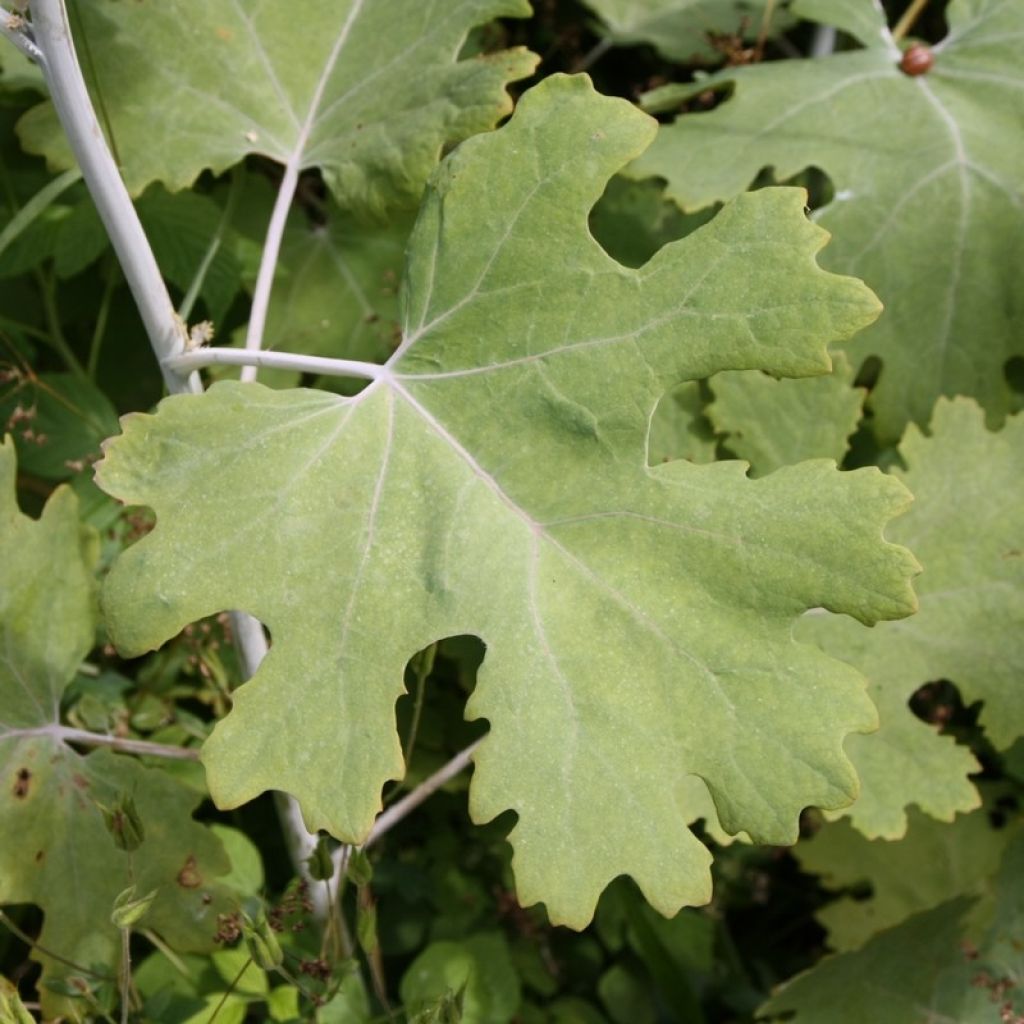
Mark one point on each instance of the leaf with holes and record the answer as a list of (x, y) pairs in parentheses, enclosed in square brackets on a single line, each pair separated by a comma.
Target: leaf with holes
[(57, 852), (368, 92), (969, 629), (492, 480), (773, 423), (897, 149)]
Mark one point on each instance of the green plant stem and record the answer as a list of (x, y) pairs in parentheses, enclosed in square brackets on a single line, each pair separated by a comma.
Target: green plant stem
[(424, 666), (906, 22), (231, 988), (57, 339), (32, 944), (35, 207), (175, 961), (102, 316), (126, 973), (196, 285)]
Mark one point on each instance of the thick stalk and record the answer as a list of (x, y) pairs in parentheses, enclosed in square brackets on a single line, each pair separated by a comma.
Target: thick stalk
[(65, 734), (250, 358), (71, 99), (268, 265)]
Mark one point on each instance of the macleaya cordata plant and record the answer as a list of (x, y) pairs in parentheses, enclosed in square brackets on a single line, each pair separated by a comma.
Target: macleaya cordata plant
[(657, 644)]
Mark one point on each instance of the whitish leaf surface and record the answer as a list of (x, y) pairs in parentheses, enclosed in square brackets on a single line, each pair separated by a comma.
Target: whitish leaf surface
[(897, 148), (679, 29), (932, 967), (969, 628), (932, 863), (367, 91), (493, 481), (56, 851), (773, 423)]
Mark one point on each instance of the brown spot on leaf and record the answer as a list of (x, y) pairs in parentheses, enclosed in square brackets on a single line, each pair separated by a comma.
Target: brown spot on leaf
[(224, 33), (189, 876), (40, 854), (21, 781), (80, 781)]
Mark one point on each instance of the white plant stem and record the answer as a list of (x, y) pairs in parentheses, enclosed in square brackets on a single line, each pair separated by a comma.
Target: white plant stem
[(200, 357), (122, 744), (52, 46), (824, 41), (268, 266), (13, 26), (70, 97), (430, 785)]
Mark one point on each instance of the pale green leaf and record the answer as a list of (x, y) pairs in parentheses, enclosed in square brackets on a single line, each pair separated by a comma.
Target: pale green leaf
[(965, 528), (773, 423), (932, 863), (57, 852), (680, 29), (897, 149), (493, 481), (863, 19), (929, 968), (903, 964), (367, 90)]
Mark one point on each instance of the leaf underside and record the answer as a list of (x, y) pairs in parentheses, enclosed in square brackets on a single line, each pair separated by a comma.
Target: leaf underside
[(896, 148)]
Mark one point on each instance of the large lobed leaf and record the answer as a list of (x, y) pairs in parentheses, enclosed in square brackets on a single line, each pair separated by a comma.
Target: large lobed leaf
[(493, 481), (931, 967), (56, 851), (897, 149), (367, 90), (969, 629)]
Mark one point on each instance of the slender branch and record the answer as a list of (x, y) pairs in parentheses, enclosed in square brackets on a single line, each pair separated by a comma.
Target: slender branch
[(268, 265), (32, 944), (237, 180), (824, 41), (910, 15), (65, 734), (74, 108), (200, 357), (13, 26), (426, 788), (37, 204)]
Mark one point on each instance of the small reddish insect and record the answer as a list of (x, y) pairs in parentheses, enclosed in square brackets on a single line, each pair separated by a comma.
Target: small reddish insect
[(917, 60)]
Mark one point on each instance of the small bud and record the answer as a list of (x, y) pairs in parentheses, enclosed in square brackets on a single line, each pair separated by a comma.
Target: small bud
[(366, 927), (321, 866), (128, 910), (263, 946), (360, 870), (123, 823)]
